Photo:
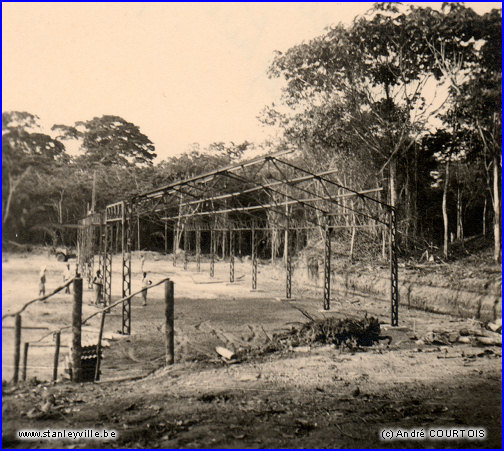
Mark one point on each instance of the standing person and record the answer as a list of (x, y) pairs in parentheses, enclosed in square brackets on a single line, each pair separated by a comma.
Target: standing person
[(42, 281), (142, 262), (98, 287), (67, 276), (145, 283), (89, 274)]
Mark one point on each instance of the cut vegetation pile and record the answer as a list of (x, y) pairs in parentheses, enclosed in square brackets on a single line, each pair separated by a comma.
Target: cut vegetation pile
[(340, 332)]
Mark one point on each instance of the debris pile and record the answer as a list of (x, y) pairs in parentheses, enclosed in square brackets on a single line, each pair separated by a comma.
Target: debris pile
[(489, 334), (340, 332)]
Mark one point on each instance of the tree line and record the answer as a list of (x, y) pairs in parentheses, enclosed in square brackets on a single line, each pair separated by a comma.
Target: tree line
[(45, 187), (411, 97), (405, 97)]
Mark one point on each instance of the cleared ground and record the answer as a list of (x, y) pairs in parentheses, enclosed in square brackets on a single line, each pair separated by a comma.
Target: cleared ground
[(319, 397)]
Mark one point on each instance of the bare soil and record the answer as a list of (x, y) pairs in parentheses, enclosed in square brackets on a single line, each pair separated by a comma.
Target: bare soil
[(316, 397)]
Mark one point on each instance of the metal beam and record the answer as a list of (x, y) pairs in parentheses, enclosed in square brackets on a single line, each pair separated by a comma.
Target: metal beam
[(319, 177), (209, 175), (259, 188)]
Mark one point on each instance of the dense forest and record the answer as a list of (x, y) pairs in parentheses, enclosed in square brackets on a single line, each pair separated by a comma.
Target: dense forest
[(407, 98)]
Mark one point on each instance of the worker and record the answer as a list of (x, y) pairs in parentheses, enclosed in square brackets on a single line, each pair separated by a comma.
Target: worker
[(67, 276), (42, 281), (145, 284), (98, 287)]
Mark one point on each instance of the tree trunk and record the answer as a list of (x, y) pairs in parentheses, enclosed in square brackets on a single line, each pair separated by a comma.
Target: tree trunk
[(13, 184), (415, 193), (178, 228), (93, 193), (224, 235), (445, 213), (165, 236), (384, 243), (407, 207), (286, 246), (460, 224), (138, 232), (393, 181), (344, 205), (352, 239), (497, 207), (484, 216), (273, 243)]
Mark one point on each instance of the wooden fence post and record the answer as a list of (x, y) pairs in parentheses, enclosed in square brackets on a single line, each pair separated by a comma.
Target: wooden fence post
[(17, 346), (76, 331), (25, 360), (98, 346), (170, 356), (57, 336)]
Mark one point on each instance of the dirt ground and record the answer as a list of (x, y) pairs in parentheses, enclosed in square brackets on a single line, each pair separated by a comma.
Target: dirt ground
[(315, 397)]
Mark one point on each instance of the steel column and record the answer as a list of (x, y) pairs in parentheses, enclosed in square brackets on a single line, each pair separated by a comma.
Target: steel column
[(198, 249), (175, 233), (288, 267), (126, 221), (186, 247), (212, 253), (107, 263), (101, 249), (327, 266), (231, 257), (394, 286), (166, 236), (254, 261), (240, 243)]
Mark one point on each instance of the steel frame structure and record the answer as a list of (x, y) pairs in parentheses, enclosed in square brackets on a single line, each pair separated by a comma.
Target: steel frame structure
[(119, 216), (208, 203)]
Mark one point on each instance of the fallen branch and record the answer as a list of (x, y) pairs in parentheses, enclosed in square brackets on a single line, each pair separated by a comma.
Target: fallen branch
[(304, 312)]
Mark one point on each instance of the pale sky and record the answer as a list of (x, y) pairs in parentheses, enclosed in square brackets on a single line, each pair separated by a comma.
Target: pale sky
[(182, 72)]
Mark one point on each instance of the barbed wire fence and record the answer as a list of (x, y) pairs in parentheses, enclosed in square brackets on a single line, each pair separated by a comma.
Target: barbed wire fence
[(78, 352)]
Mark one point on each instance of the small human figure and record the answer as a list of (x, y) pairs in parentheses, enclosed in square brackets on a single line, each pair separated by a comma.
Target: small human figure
[(98, 287), (42, 281), (145, 283), (89, 274), (67, 276), (142, 262)]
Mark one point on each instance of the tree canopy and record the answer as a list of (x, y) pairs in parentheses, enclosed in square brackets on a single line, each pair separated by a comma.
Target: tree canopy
[(393, 100)]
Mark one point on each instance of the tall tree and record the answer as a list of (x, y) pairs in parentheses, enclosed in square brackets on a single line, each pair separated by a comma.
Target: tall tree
[(26, 152), (363, 89), (110, 140), (478, 109)]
